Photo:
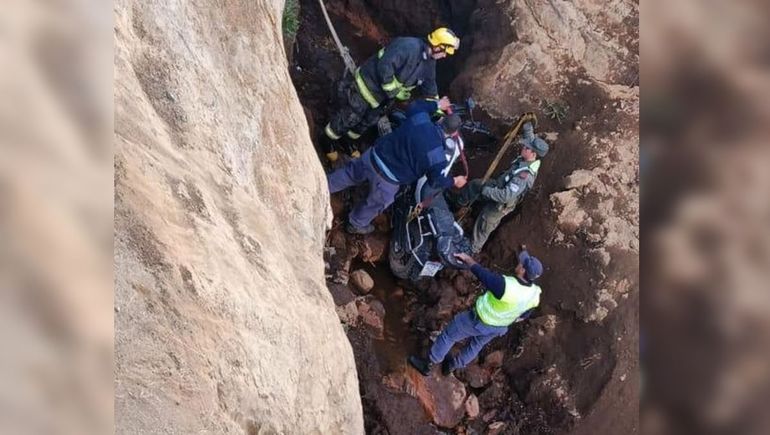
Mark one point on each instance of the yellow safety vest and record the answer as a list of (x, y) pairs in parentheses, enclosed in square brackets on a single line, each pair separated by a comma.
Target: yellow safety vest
[(516, 300)]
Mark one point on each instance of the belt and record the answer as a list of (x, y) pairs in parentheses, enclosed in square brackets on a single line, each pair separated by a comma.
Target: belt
[(373, 160)]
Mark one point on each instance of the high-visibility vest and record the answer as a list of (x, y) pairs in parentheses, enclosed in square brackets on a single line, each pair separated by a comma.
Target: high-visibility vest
[(516, 300)]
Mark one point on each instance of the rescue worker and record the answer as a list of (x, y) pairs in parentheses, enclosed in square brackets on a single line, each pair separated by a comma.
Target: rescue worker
[(501, 195), (507, 299), (414, 149), (406, 64)]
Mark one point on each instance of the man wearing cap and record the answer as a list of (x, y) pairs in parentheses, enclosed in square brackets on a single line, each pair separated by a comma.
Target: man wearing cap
[(507, 299), (501, 195), (414, 149)]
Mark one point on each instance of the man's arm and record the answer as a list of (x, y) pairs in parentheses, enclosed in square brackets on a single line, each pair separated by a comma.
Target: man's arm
[(428, 88), (528, 132), (437, 162), (492, 281), (387, 68), (510, 192)]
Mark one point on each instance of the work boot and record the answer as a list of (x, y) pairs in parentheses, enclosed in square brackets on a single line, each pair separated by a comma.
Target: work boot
[(446, 366), (420, 364), (351, 229), (328, 146)]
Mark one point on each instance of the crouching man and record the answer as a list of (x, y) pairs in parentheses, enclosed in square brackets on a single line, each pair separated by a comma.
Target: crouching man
[(506, 300)]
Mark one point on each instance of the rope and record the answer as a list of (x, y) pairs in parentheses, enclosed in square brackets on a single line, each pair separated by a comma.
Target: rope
[(349, 64)]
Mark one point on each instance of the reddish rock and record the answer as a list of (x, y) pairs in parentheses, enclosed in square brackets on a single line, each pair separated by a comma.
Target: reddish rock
[(472, 406), (461, 284), (371, 314), (475, 375), (338, 205), (446, 303), (348, 313), (489, 415), (494, 360), (340, 293), (338, 239), (443, 397), (374, 246), (495, 428), (382, 223), (361, 281), (493, 396), (394, 382)]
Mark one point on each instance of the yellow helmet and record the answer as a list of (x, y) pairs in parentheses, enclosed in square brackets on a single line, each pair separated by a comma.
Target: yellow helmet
[(445, 38)]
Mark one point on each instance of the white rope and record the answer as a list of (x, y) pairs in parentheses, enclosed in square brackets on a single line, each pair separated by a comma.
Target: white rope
[(349, 64)]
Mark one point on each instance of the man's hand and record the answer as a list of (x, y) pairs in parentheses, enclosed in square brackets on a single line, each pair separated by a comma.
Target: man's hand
[(465, 259), (460, 181), (444, 104)]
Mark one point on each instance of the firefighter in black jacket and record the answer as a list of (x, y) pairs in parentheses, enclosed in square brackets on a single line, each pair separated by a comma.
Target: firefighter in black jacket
[(406, 64)]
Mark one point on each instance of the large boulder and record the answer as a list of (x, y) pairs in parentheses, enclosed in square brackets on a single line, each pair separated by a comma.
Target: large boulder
[(443, 397), (219, 274)]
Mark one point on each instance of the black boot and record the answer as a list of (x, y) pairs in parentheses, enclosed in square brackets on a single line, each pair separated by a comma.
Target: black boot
[(420, 364), (351, 229), (351, 146), (446, 366)]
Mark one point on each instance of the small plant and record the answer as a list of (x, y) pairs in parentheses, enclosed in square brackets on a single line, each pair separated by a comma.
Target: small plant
[(556, 110), (290, 19)]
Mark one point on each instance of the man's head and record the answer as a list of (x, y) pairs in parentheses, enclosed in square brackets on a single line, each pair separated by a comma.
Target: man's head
[(532, 149), (529, 267), (450, 124), (443, 42)]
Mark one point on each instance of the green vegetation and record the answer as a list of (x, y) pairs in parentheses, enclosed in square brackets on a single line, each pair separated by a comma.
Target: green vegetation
[(556, 110), (290, 19)]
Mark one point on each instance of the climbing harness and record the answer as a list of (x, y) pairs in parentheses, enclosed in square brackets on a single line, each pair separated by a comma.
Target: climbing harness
[(344, 52), (524, 117)]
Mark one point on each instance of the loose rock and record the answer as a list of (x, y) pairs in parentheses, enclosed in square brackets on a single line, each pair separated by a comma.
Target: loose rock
[(348, 313), (475, 375), (371, 314), (579, 178), (472, 406), (361, 281), (443, 398), (495, 428), (494, 360)]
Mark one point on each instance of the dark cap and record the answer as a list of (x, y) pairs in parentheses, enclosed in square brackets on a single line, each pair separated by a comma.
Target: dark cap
[(539, 146), (532, 266), (451, 123)]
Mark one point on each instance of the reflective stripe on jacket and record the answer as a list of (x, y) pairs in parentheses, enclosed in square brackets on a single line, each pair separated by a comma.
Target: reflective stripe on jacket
[(516, 300)]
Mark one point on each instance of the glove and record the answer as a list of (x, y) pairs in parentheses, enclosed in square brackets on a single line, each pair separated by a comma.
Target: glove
[(404, 94), (332, 156)]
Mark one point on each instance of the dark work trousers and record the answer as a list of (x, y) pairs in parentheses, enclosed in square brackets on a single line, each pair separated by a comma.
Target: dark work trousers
[(381, 191)]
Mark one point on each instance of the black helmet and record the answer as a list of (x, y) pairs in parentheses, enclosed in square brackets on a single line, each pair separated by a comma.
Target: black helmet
[(451, 123)]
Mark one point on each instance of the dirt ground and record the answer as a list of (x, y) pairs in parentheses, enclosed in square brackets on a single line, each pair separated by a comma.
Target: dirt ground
[(564, 371)]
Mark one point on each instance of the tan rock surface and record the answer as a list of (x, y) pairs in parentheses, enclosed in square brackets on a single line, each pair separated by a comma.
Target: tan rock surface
[(220, 211)]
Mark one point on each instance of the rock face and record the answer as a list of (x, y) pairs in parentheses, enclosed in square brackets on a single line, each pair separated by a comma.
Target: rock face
[(582, 218), (220, 211), (585, 55)]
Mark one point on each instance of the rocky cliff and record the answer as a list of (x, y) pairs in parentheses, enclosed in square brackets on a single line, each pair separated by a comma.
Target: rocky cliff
[(223, 323)]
